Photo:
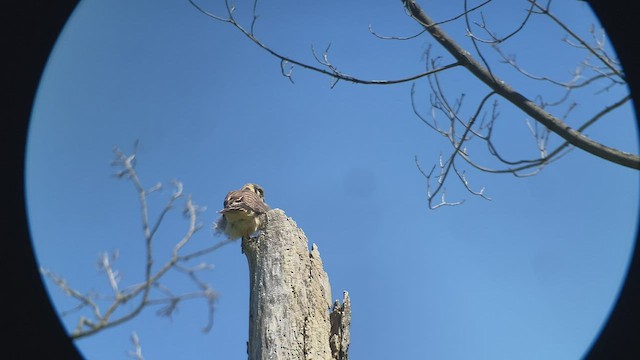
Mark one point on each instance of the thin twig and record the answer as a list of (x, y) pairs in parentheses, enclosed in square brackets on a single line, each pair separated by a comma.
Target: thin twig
[(327, 69)]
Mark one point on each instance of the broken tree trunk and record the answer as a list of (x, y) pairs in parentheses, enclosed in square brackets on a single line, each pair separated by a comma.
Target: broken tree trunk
[(290, 297)]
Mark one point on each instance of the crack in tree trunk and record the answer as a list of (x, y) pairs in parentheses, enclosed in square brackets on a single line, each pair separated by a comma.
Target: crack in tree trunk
[(290, 297)]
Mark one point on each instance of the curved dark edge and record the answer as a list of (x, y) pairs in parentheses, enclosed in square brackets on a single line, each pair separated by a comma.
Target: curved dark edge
[(30, 28), (620, 336)]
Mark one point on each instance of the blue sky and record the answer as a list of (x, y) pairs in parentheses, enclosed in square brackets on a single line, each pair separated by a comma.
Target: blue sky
[(531, 274)]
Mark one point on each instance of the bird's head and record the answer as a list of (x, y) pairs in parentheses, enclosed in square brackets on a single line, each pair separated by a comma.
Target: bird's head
[(254, 188)]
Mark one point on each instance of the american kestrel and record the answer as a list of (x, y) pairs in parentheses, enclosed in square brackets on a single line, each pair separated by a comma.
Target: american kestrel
[(241, 215)]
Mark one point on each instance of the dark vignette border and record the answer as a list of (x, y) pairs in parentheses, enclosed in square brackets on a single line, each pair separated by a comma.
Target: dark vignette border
[(30, 28), (620, 337)]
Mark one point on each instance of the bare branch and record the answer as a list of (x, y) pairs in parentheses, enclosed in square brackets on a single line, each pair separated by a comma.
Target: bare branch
[(495, 39), (205, 251), (326, 69), (382, 37), (603, 59), (84, 300), (114, 312), (554, 124), (464, 13), (431, 195), (569, 85)]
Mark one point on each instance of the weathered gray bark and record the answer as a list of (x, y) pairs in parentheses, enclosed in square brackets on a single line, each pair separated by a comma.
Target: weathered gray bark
[(290, 297)]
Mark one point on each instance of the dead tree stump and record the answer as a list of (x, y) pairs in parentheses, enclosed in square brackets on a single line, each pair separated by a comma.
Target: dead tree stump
[(290, 297)]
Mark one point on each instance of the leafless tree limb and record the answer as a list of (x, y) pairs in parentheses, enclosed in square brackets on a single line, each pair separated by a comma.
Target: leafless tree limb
[(494, 38), (287, 63), (382, 37), (484, 74), (411, 37), (519, 168), (113, 313), (484, 132), (574, 83), (604, 59), (457, 142)]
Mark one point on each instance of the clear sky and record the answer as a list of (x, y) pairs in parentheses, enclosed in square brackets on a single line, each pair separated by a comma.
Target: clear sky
[(531, 274)]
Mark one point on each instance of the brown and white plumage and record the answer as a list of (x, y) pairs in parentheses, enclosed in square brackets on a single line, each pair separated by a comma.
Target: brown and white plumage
[(241, 215)]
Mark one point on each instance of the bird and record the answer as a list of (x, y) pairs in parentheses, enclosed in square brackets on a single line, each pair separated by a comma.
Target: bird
[(241, 214)]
